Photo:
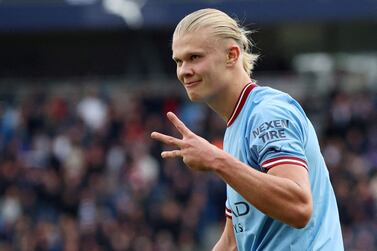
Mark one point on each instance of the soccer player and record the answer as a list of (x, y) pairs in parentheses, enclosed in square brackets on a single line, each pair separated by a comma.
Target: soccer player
[(279, 195)]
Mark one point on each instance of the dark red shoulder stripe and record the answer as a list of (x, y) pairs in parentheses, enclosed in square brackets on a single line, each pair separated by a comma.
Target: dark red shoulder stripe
[(268, 164), (241, 101), (228, 213)]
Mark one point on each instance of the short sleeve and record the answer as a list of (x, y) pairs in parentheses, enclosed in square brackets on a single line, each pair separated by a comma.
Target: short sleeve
[(228, 211), (278, 131)]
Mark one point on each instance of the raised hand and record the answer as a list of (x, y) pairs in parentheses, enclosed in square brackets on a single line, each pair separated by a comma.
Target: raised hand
[(196, 152)]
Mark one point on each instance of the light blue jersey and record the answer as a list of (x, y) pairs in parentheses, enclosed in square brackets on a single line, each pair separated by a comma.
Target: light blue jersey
[(269, 128)]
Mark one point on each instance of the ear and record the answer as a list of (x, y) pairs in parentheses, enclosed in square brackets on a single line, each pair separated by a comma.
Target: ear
[(233, 54)]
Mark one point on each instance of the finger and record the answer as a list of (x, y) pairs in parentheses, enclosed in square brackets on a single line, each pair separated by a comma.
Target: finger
[(181, 127), (171, 154), (166, 139)]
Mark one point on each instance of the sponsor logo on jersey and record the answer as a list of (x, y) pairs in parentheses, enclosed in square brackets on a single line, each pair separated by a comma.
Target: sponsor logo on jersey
[(271, 130)]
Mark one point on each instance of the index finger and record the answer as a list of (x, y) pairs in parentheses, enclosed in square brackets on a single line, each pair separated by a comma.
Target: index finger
[(181, 127)]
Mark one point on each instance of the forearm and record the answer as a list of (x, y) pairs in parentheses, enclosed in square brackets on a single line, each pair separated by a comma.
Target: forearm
[(283, 194), (278, 197)]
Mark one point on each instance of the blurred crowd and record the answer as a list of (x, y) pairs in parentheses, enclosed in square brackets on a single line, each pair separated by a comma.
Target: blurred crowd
[(80, 172), (349, 145)]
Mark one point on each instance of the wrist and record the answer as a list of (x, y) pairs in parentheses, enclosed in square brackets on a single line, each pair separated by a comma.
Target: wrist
[(219, 162)]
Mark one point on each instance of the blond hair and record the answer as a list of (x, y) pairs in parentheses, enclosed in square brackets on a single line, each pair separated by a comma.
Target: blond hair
[(223, 26)]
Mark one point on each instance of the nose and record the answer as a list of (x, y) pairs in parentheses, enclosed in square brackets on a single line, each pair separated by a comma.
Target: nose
[(184, 70)]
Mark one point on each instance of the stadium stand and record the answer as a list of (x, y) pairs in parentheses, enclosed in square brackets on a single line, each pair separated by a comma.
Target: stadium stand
[(78, 170)]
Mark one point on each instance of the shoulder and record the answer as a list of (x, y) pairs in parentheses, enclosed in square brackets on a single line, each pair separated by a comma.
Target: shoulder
[(268, 96), (268, 102)]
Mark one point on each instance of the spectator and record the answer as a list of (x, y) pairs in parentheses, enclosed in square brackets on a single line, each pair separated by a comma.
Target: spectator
[(68, 186)]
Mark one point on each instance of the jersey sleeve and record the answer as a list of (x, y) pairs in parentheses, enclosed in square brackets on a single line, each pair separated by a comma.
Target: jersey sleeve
[(228, 211), (278, 131)]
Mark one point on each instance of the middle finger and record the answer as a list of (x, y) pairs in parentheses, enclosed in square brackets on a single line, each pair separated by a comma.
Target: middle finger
[(169, 140)]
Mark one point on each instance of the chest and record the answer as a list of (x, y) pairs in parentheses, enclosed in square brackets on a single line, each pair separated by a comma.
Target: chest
[(237, 143)]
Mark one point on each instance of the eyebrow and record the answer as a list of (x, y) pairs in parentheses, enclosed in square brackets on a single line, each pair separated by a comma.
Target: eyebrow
[(175, 58)]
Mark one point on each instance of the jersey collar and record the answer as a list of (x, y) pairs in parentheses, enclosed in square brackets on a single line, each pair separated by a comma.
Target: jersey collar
[(241, 101)]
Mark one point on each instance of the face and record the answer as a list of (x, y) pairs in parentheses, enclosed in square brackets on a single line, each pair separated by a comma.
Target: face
[(201, 62)]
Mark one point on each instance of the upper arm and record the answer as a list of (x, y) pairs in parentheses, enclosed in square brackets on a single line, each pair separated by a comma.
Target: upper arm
[(298, 175), (229, 234), (295, 173), (278, 139), (227, 240)]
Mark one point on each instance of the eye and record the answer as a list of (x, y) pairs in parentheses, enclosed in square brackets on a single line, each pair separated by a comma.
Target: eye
[(194, 57), (178, 62)]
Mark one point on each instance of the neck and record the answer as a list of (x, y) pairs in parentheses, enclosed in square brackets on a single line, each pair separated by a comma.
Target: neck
[(225, 101)]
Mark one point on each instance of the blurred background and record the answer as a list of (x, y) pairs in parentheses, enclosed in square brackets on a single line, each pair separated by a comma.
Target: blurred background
[(84, 82)]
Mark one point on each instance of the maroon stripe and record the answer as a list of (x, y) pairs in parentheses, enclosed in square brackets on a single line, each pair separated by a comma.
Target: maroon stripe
[(237, 109), (228, 211), (280, 158), (287, 162)]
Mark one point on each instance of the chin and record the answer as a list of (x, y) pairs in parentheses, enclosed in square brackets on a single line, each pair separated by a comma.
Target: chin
[(195, 98)]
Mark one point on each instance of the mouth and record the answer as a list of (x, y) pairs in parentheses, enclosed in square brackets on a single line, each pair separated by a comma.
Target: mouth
[(192, 83)]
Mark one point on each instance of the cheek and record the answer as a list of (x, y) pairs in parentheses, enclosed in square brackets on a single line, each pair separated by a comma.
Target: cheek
[(202, 68), (211, 71), (179, 76)]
